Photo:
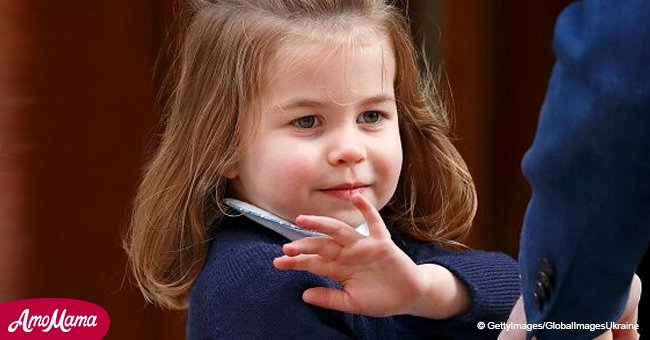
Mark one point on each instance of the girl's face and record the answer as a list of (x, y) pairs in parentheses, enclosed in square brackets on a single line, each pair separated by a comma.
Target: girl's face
[(328, 128)]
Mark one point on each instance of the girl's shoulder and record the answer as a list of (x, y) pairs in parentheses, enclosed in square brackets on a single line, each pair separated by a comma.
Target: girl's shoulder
[(427, 252), (238, 282), (241, 253)]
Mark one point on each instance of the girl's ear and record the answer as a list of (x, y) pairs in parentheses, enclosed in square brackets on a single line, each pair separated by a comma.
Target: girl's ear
[(231, 173)]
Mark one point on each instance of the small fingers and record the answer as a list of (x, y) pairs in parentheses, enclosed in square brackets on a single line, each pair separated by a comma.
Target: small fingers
[(376, 226), (308, 263), (337, 230), (323, 246)]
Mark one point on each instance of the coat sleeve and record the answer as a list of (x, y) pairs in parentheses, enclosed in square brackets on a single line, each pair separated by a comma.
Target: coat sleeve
[(244, 297), (492, 280), (587, 225)]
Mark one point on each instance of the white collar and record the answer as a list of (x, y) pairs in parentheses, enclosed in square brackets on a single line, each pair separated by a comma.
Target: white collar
[(278, 224)]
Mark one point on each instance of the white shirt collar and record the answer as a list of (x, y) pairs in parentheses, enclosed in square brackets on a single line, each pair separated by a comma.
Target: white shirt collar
[(278, 224)]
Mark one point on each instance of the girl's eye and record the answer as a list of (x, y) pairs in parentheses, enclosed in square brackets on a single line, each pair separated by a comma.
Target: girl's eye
[(370, 117), (306, 122)]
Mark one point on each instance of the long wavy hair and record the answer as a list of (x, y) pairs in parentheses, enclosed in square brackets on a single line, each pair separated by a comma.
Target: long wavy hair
[(217, 75)]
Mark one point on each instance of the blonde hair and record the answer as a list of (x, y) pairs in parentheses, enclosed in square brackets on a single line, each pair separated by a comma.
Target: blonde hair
[(219, 74)]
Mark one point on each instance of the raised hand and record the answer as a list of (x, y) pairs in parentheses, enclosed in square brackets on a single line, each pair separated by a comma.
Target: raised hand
[(377, 278)]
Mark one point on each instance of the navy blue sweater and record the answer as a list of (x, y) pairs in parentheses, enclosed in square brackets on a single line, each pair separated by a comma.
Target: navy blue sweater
[(240, 295)]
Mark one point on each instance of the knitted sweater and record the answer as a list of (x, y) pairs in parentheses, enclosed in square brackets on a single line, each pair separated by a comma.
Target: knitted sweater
[(240, 295)]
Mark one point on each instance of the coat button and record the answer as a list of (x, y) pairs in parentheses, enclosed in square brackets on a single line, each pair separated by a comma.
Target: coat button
[(537, 300), (545, 280), (541, 291), (544, 283), (547, 268), (539, 296)]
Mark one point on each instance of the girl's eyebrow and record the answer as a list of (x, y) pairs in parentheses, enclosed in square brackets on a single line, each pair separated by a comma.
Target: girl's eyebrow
[(378, 99), (319, 104)]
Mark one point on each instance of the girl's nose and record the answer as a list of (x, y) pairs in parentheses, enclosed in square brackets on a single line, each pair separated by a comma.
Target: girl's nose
[(346, 148)]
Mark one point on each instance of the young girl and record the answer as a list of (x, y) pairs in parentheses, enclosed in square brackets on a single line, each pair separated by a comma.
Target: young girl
[(311, 112)]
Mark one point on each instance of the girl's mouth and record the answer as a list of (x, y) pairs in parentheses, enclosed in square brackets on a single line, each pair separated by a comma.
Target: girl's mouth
[(345, 191)]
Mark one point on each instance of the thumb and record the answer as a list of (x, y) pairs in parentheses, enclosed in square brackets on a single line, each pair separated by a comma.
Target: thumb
[(329, 298), (631, 313)]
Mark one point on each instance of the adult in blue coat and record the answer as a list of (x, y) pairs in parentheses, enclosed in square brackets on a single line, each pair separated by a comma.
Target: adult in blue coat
[(587, 225)]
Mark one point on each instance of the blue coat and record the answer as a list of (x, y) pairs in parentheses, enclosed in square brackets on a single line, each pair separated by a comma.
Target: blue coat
[(587, 225), (240, 295)]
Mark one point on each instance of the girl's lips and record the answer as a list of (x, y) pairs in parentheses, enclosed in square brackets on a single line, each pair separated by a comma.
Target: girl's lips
[(345, 193)]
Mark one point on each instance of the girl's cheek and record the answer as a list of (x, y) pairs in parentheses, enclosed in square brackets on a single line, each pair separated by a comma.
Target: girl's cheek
[(298, 168), (293, 165)]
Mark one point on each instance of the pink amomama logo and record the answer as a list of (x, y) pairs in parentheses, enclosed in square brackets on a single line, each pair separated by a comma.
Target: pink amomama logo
[(53, 318)]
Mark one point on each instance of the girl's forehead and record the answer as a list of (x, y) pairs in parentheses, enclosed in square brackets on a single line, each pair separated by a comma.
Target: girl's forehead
[(298, 48), (343, 70)]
